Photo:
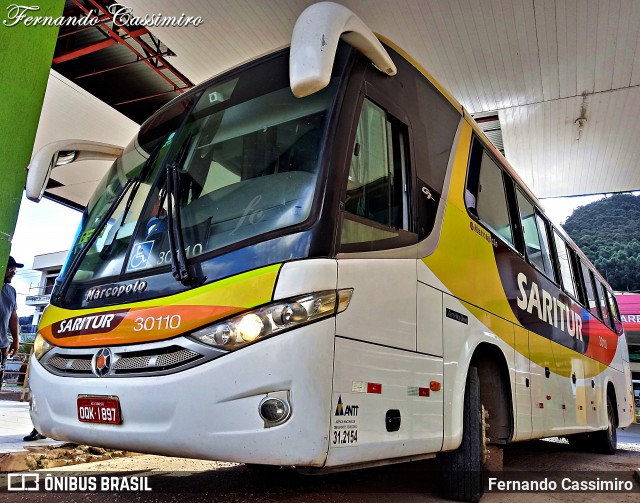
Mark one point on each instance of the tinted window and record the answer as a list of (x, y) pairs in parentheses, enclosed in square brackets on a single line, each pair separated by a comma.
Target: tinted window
[(535, 235), (603, 304), (589, 287), (615, 313), (485, 195), (378, 184), (566, 269)]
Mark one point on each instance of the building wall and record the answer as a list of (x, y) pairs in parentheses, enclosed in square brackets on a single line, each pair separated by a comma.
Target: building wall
[(629, 304)]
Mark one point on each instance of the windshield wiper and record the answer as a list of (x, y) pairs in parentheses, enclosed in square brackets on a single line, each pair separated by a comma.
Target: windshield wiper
[(177, 251)]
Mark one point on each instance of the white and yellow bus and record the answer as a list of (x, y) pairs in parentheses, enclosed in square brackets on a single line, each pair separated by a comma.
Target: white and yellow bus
[(317, 259)]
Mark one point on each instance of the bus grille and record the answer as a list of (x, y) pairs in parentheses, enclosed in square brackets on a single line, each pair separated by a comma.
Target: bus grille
[(126, 361), (67, 363)]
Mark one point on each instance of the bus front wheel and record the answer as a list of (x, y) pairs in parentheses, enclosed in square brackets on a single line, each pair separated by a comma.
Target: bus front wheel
[(462, 468)]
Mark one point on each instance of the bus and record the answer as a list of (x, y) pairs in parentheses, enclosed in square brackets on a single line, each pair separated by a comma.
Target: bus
[(318, 260)]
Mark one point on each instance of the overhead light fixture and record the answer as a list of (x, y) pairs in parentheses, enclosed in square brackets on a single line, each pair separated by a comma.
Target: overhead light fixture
[(65, 157), (580, 122)]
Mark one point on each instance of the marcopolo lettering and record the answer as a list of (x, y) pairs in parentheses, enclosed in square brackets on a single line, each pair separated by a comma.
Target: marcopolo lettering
[(548, 308), (115, 291)]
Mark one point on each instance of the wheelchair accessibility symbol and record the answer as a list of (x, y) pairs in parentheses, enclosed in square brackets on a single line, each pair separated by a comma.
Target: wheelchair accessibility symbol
[(140, 255)]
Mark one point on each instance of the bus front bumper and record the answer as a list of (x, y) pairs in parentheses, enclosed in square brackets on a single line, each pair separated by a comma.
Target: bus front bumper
[(209, 411)]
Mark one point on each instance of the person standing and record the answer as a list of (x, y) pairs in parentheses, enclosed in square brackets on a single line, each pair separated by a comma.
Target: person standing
[(9, 327), (8, 317)]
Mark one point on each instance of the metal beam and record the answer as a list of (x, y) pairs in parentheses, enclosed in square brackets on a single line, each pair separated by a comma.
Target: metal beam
[(83, 51), (117, 67), (122, 41), (176, 90), (91, 48)]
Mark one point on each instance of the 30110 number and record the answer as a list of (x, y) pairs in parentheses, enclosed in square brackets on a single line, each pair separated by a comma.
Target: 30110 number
[(159, 323)]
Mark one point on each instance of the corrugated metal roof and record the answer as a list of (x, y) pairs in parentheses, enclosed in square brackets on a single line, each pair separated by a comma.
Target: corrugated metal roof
[(539, 64), (124, 66)]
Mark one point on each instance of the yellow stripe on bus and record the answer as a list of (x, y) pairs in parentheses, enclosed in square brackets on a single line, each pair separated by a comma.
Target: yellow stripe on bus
[(173, 315)]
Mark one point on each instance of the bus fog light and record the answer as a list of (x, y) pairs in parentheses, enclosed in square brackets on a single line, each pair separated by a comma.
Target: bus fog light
[(274, 409)]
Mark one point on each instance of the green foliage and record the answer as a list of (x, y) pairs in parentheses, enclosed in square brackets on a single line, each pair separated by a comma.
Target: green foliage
[(608, 232)]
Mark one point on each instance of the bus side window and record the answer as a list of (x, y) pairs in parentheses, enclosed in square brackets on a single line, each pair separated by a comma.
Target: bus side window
[(377, 206), (535, 235), (485, 194), (589, 286), (615, 312), (567, 276), (606, 317)]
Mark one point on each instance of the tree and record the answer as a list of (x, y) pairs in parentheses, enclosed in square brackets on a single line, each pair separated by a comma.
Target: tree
[(608, 232)]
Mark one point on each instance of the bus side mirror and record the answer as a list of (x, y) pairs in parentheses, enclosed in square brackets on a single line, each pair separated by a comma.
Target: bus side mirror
[(314, 41), (60, 153)]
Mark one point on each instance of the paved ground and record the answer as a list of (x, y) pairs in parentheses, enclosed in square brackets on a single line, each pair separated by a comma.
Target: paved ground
[(180, 480), (15, 423)]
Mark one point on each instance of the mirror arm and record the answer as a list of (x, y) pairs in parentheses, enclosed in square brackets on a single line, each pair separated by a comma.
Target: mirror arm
[(315, 39), (46, 159)]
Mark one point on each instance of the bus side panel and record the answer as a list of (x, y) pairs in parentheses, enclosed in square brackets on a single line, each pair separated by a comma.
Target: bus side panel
[(622, 384), (546, 389), (522, 384), (618, 374), (465, 327), (383, 306), (306, 276), (382, 405), (595, 406), (429, 333), (578, 410)]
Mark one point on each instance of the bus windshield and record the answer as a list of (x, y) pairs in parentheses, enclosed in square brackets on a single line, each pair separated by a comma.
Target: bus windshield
[(237, 160)]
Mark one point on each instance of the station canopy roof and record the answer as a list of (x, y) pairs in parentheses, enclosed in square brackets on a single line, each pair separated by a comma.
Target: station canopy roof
[(555, 83)]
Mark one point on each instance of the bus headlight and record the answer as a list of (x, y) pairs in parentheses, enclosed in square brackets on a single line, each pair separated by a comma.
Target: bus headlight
[(41, 346), (272, 319)]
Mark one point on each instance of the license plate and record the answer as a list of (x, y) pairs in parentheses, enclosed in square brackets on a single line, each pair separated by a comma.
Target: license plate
[(99, 409)]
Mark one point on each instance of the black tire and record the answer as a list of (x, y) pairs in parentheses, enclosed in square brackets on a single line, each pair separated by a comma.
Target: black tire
[(580, 442), (262, 468), (606, 441), (462, 468)]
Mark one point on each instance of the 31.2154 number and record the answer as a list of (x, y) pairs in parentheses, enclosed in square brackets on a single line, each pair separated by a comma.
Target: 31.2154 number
[(345, 437)]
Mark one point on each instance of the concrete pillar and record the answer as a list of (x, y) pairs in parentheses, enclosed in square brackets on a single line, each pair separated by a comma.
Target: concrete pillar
[(26, 51)]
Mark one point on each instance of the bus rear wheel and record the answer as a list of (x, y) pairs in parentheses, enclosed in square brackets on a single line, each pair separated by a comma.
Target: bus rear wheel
[(462, 468), (606, 441)]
